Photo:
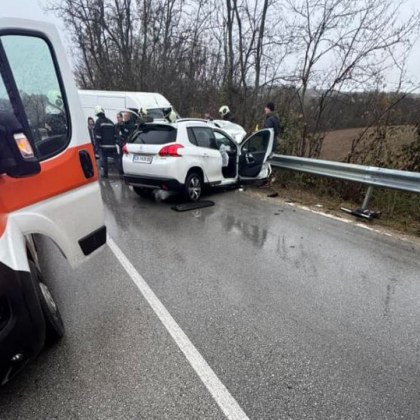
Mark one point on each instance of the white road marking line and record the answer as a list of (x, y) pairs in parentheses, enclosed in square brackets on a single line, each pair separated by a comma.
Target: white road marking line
[(218, 391), (350, 221)]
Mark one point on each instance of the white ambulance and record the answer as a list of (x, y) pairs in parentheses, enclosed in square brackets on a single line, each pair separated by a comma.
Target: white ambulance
[(48, 184)]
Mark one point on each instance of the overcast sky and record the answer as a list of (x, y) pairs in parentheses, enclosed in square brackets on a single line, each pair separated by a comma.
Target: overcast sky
[(32, 9)]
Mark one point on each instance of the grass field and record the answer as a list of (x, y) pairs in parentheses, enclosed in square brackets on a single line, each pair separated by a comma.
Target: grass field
[(337, 144)]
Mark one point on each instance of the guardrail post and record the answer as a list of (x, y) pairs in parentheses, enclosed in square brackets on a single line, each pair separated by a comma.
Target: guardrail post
[(368, 196), (363, 211)]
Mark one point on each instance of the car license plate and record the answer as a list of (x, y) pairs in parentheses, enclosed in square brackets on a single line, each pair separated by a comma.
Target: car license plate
[(142, 159)]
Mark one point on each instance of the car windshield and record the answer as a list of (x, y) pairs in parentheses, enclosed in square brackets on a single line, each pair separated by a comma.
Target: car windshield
[(154, 135), (159, 113), (155, 113)]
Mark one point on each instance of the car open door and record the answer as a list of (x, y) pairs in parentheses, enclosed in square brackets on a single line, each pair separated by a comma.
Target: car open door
[(253, 155)]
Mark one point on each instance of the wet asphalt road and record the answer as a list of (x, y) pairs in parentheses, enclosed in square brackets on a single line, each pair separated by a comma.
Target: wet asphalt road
[(300, 316)]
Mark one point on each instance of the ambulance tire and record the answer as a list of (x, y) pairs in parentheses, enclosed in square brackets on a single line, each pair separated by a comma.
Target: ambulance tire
[(54, 326)]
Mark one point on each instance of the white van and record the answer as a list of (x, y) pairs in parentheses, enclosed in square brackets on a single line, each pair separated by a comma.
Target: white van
[(113, 102)]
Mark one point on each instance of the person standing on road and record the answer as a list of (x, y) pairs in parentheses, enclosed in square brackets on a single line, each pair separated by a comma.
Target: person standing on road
[(104, 131), (118, 128), (119, 123), (144, 116), (225, 113), (272, 120), (169, 115), (127, 127)]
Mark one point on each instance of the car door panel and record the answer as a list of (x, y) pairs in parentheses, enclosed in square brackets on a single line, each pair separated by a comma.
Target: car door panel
[(211, 159), (254, 152), (212, 164)]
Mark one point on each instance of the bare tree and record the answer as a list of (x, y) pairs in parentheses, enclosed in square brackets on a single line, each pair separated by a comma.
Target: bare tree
[(253, 46), (299, 53), (344, 44)]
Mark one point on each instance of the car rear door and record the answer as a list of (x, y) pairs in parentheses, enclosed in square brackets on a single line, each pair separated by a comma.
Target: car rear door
[(63, 200), (211, 158), (254, 152)]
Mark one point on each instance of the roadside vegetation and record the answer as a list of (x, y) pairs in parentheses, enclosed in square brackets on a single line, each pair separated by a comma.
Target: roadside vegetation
[(324, 63), (400, 211)]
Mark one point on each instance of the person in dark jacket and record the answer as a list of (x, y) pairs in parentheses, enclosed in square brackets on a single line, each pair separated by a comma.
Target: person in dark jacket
[(128, 126), (104, 131), (169, 115), (272, 120), (118, 129), (118, 124), (225, 113)]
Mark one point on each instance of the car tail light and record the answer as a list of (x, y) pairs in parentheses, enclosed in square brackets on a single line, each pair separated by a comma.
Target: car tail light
[(171, 150), (124, 149)]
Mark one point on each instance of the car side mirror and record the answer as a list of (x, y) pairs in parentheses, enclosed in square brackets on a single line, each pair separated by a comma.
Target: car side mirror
[(17, 156)]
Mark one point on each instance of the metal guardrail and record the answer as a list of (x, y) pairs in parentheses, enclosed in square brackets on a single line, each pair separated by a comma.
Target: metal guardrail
[(369, 175)]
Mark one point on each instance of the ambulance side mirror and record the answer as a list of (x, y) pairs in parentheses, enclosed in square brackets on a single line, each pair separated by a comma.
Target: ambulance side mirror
[(17, 157)]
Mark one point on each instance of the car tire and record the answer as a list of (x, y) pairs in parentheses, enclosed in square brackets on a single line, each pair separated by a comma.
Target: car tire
[(143, 192), (54, 326), (193, 186)]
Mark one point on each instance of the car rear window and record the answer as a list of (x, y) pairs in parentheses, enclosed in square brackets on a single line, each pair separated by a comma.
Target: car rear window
[(154, 135)]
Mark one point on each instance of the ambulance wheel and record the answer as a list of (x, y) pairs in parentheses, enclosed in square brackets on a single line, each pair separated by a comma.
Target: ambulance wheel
[(54, 326)]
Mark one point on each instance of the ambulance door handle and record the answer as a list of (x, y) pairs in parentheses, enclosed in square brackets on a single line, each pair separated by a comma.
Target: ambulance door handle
[(86, 163)]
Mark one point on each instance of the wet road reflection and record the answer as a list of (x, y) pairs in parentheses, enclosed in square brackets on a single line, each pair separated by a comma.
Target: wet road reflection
[(273, 295)]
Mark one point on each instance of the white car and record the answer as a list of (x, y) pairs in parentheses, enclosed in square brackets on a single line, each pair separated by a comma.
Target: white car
[(186, 156), (235, 131)]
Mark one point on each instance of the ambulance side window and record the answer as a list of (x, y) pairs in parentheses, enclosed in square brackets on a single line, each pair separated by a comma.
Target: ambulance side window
[(5, 105), (36, 79), (5, 109)]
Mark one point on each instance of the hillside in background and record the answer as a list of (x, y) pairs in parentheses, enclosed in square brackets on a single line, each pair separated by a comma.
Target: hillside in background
[(337, 143)]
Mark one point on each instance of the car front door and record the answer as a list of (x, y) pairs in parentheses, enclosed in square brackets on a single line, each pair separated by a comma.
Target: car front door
[(254, 152), (211, 159)]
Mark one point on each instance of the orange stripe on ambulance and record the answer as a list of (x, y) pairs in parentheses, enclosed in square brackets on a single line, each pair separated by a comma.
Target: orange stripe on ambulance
[(48, 184)]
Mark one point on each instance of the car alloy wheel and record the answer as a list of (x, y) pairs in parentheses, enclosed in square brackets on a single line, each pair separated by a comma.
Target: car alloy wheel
[(193, 186)]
